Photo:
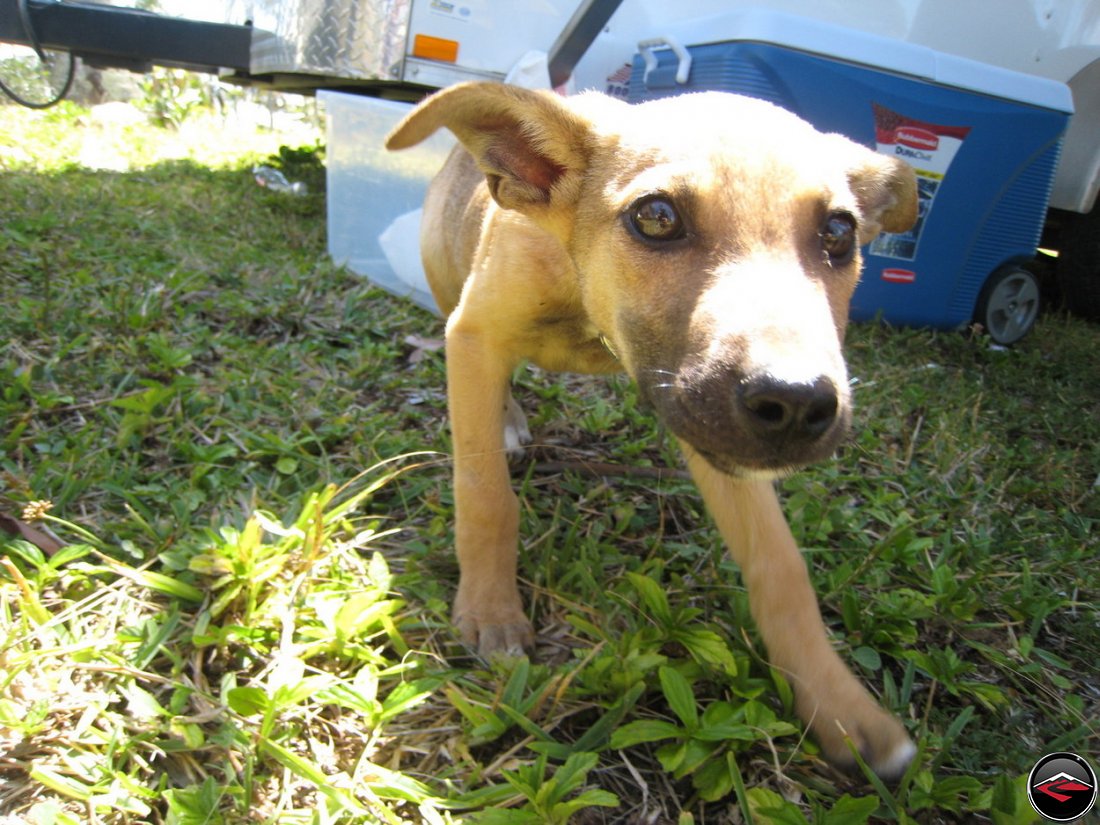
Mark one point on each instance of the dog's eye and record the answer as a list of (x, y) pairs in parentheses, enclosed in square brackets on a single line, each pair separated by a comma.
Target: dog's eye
[(655, 218), (838, 237)]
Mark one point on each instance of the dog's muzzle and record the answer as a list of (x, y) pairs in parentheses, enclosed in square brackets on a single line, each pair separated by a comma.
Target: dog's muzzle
[(757, 423)]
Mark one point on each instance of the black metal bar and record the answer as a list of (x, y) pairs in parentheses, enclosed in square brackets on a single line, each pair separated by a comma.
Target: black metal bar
[(585, 25), (131, 38)]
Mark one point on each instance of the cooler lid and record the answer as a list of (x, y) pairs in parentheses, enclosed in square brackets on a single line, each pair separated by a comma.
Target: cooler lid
[(881, 53)]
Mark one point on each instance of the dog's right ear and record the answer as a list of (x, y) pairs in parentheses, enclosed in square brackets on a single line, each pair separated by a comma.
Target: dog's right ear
[(532, 148), (887, 191)]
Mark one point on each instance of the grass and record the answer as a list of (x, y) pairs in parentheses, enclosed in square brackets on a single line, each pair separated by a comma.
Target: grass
[(241, 452)]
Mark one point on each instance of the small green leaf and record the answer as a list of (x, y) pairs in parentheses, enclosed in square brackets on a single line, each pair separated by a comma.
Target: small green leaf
[(850, 607), (672, 755), (64, 785), (783, 689), (744, 803), (850, 810), (644, 730), (293, 694), (247, 700), (69, 553), (346, 696), (563, 811), (708, 648), (1025, 644), (532, 729), (769, 808), (572, 774), (295, 763), (141, 704), (395, 785), (191, 734), (1009, 804), (407, 695), (955, 728), (680, 696), (161, 583), (721, 713), (197, 805), (867, 657), (498, 816), (654, 597), (992, 696), (1052, 659), (695, 754), (26, 551), (758, 715), (517, 682), (727, 732), (378, 571), (713, 781)]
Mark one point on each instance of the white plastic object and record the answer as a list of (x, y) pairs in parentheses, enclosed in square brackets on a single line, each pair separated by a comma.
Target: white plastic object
[(647, 47)]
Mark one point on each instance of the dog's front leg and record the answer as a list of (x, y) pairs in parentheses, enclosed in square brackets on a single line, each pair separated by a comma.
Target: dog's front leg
[(488, 611), (829, 698)]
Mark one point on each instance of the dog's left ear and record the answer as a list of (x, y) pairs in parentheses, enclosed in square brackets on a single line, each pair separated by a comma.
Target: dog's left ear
[(886, 189), (532, 148)]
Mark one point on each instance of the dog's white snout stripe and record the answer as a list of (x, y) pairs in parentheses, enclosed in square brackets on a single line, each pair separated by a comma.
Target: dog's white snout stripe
[(799, 368)]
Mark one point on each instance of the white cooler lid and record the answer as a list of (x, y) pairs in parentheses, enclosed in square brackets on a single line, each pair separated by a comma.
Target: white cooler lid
[(882, 53)]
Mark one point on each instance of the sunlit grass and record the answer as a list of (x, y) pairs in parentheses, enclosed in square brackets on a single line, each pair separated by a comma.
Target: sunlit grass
[(117, 137)]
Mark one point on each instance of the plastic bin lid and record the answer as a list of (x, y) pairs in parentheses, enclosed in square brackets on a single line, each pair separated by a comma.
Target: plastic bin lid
[(881, 53)]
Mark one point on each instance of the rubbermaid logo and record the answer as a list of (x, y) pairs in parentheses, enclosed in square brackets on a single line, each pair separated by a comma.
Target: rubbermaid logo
[(917, 138), (899, 276)]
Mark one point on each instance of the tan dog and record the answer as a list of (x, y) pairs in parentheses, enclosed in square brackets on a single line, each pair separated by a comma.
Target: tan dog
[(707, 244)]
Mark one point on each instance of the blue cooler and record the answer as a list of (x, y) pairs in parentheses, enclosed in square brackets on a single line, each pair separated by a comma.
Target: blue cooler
[(983, 141)]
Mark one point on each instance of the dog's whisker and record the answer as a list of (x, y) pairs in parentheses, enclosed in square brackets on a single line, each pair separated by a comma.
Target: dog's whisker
[(672, 384)]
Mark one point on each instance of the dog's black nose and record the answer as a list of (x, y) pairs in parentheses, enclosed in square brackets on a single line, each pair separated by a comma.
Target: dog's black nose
[(777, 410)]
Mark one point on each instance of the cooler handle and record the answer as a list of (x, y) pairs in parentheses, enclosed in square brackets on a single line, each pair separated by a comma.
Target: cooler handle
[(647, 47)]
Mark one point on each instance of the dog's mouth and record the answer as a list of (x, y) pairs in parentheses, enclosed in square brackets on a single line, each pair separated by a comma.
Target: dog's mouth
[(754, 425)]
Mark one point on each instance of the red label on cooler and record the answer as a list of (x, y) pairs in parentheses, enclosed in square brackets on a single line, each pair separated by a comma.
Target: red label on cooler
[(899, 276)]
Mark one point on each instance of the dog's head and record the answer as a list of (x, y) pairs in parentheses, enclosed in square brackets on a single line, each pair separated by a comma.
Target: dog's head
[(716, 245)]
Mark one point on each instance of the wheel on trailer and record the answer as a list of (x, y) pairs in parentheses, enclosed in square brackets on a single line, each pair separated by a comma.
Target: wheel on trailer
[(1008, 304), (1079, 264)]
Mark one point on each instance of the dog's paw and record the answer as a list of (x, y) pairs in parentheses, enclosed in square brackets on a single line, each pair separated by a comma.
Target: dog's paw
[(879, 737), (492, 626), (493, 639), (516, 433)]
